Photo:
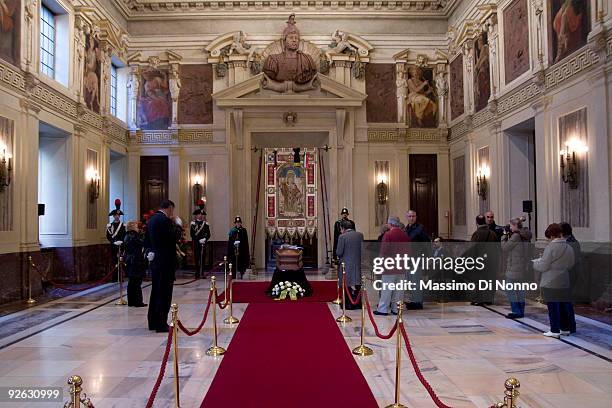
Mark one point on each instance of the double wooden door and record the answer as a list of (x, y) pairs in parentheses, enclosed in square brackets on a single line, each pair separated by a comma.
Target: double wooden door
[(153, 182), (423, 171)]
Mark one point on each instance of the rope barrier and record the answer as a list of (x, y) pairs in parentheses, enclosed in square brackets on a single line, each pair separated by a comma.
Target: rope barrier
[(201, 325), (382, 336), (65, 287), (348, 293), (162, 371), (417, 370)]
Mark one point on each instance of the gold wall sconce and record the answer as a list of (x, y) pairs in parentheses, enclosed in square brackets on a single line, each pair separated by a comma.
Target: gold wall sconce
[(93, 178), (568, 161), (382, 189), (197, 189), (483, 173), (6, 168)]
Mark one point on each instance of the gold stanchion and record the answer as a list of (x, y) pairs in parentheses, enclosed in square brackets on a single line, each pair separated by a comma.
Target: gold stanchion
[(230, 319), (225, 272), (362, 349), (398, 358), (337, 301), (121, 301), (75, 390), (511, 394), (30, 301), (174, 310), (343, 318), (214, 350)]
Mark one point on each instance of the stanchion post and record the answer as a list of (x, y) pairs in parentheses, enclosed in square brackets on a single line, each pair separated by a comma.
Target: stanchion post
[(511, 394), (214, 350), (343, 318), (225, 272), (230, 319), (121, 301), (337, 301), (75, 383), (362, 349), (174, 310), (30, 301), (398, 358)]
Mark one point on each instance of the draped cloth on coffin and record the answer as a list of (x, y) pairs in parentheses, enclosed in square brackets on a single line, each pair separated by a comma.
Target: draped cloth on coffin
[(291, 194)]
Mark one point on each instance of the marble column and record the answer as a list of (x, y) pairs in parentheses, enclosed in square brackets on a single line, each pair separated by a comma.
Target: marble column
[(133, 87), (547, 166), (80, 28), (493, 40), (175, 89), (132, 185), (80, 193), (468, 76), (174, 174)]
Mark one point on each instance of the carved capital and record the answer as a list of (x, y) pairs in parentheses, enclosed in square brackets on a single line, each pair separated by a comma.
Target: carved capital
[(541, 104), (29, 106)]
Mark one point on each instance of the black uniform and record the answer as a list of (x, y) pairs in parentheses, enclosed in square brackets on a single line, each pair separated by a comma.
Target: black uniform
[(161, 240), (115, 231), (243, 261), (199, 230), (134, 262)]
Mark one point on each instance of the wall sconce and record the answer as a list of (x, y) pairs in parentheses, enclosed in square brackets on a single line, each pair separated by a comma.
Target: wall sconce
[(6, 168), (197, 189), (482, 185), (569, 163), (382, 190), (94, 184)]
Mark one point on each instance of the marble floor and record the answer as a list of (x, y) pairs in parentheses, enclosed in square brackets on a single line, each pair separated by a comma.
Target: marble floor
[(465, 352)]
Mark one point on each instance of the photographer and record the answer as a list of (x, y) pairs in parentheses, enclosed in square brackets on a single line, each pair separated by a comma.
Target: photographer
[(515, 246)]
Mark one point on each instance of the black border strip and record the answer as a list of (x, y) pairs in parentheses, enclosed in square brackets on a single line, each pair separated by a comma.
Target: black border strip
[(560, 339), (63, 321)]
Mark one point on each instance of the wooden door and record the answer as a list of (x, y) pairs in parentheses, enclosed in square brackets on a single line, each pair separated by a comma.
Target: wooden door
[(153, 182), (424, 190)]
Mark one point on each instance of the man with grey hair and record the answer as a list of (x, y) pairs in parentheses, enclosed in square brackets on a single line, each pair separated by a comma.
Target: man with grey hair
[(391, 246)]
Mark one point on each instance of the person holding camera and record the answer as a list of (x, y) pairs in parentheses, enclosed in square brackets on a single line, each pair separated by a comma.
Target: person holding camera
[(515, 247)]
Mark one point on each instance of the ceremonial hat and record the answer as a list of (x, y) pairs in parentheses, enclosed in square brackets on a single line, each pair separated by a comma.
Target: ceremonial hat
[(117, 209), (344, 210), (200, 209), (237, 219)]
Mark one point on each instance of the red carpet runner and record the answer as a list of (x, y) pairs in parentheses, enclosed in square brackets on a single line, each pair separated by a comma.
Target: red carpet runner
[(254, 292), (288, 355)]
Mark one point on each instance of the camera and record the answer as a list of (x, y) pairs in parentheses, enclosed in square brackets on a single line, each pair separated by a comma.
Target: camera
[(507, 229)]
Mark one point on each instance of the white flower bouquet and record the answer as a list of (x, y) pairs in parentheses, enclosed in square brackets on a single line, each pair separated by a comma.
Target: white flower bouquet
[(285, 289)]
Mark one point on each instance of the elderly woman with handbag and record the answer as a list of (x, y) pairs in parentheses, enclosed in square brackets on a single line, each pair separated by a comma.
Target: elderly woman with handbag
[(554, 266)]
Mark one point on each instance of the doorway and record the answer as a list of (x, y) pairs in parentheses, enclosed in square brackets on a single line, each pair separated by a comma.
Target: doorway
[(153, 182), (423, 171)]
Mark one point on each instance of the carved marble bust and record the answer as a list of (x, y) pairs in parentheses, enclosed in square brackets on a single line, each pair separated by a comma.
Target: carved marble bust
[(292, 64)]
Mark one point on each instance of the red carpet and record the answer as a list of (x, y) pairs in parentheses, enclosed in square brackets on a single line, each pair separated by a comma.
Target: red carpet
[(288, 355), (254, 292)]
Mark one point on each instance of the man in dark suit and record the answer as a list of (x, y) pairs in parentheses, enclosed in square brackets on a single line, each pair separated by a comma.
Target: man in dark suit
[(115, 234), (199, 231), (160, 245), (421, 244), (238, 248), (344, 215), (349, 252), (485, 246)]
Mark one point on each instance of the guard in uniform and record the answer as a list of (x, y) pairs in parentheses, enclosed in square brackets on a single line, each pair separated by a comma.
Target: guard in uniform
[(199, 231), (115, 233), (238, 248), (344, 215)]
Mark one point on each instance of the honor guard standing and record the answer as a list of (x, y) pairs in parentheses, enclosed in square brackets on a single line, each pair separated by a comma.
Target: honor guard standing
[(238, 248), (344, 215), (115, 233), (200, 234)]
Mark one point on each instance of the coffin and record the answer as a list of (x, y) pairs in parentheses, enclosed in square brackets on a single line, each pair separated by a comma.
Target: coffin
[(289, 259)]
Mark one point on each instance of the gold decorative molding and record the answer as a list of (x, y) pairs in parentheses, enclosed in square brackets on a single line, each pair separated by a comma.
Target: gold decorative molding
[(171, 137), (395, 135)]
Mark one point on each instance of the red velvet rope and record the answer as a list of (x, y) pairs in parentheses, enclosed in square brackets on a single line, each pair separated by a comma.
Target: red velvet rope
[(199, 328), (382, 336), (162, 371), (417, 370), (348, 293), (65, 287)]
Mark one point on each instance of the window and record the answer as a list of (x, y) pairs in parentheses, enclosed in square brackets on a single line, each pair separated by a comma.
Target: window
[(47, 42), (113, 90)]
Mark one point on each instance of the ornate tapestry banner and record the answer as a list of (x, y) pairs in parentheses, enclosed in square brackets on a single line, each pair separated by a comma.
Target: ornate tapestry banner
[(291, 193)]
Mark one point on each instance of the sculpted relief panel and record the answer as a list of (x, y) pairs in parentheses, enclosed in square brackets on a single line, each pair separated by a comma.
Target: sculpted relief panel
[(482, 75), (568, 27), (380, 88), (195, 101), (10, 28), (516, 42), (457, 104), (154, 106)]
